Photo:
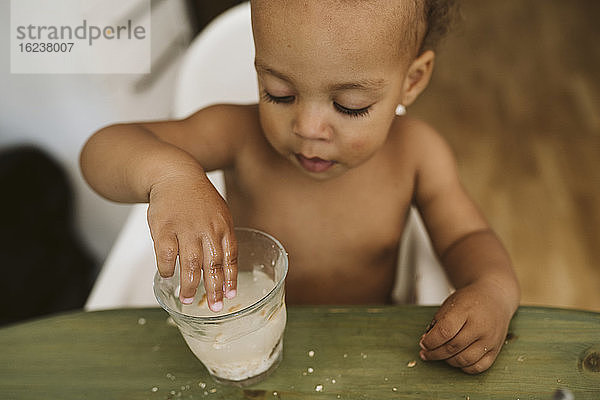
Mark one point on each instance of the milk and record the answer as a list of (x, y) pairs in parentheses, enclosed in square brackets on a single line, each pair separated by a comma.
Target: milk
[(251, 287), (240, 348)]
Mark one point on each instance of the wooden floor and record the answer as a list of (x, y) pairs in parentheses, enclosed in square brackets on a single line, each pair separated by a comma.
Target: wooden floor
[(516, 91)]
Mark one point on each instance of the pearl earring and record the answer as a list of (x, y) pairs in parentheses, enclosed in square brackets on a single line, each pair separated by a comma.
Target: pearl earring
[(400, 110)]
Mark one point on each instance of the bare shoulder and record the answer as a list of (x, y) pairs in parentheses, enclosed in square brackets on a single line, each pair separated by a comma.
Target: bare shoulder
[(416, 135), (225, 116), (447, 210), (226, 122), (429, 154), (213, 135), (419, 143)]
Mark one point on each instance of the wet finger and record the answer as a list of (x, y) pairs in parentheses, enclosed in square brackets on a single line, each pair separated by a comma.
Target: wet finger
[(212, 266), (165, 249), (230, 269), (190, 262)]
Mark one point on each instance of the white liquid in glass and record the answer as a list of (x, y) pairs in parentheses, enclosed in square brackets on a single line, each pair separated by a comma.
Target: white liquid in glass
[(233, 356)]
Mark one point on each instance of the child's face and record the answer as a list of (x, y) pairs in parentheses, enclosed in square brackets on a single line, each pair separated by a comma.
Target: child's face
[(330, 76)]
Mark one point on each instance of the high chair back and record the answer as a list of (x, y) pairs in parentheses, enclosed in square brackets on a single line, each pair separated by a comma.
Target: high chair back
[(218, 67)]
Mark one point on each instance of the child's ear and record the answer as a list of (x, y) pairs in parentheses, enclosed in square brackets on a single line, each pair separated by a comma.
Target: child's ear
[(417, 77)]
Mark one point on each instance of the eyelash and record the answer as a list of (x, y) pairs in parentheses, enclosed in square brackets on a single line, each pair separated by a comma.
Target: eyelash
[(361, 112), (269, 98)]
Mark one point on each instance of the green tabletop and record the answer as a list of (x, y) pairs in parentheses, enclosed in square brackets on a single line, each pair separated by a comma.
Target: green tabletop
[(329, 353)]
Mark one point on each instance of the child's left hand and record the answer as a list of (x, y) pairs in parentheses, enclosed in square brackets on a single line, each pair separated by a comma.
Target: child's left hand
[(469, 329)]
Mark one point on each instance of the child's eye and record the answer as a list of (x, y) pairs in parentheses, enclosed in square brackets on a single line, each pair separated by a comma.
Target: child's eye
[(353, 112), (269, 98)]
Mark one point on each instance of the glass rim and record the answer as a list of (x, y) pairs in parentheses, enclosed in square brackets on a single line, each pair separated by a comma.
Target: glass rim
[(234, 314)]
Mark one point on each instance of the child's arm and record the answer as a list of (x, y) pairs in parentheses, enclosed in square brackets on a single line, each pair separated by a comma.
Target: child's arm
[(159, 163), (470, 327)]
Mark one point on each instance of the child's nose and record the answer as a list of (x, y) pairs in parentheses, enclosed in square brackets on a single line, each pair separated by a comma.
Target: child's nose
[(311, 123)]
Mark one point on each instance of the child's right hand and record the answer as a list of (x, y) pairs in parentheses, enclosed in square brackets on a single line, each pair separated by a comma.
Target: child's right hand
[(188, 217)]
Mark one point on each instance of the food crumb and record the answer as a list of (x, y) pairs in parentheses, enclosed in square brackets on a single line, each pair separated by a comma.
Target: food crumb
[(142, 321), (170, 376), (394, 389), (311, 353), (274, 393), (202, 385), (345, 355), (363, 355), (411, 364), (319, 388), (303, 373), (385, 379), (213, 390), (154, 389), (521, 358), (333, 381), (563, 394), (234, 308), (310, 370)]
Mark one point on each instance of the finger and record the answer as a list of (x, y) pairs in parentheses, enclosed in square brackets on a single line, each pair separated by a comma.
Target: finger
[(444, 330), (230, 269), (165, 248), (470, 355), (457, 344), (483, 364), (190, 262), (212, 265)]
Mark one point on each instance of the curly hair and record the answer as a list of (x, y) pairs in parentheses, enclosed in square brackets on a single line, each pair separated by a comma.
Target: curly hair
[(439, 17)]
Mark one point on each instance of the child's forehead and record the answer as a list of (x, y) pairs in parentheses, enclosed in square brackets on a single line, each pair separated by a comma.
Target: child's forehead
[(396, 22)]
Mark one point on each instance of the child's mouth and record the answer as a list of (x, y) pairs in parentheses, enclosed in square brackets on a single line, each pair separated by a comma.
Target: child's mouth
[(314, 164)]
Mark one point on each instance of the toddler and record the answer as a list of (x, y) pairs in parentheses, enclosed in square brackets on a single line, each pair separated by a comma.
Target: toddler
[(327, 163)]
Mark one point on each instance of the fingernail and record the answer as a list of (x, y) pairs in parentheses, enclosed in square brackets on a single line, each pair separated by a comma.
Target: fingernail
[(423, 356), (218, 306), (230, 294), (421, 345), (187, 300)]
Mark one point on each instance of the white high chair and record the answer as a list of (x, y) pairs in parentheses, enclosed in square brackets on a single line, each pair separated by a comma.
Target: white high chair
[(219, 68)]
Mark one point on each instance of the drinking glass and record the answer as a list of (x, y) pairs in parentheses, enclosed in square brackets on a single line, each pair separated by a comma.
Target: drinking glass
[(243, 343)]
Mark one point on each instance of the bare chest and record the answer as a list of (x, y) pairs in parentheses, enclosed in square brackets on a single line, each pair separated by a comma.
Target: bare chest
[(342, 239)]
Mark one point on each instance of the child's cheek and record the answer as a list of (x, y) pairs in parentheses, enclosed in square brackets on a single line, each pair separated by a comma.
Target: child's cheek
[(362, 147), (358, 145)]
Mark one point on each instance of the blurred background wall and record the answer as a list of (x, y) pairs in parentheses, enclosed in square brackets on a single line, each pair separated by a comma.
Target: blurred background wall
[(59, 112), (56, 113), (516, 92)]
